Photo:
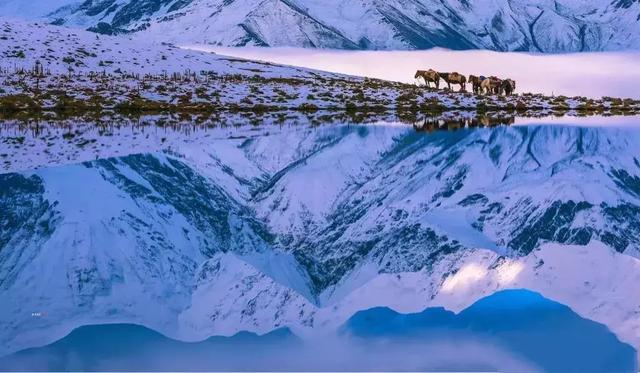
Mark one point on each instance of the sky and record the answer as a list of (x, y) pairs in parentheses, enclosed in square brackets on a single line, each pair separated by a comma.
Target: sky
[(32, 8)]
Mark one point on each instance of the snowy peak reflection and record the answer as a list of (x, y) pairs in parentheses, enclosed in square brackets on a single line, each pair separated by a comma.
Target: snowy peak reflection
[(28, 143)]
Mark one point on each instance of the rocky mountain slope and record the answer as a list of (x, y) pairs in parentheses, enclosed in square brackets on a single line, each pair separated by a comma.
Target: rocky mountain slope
[(504, 25), (303, 228)]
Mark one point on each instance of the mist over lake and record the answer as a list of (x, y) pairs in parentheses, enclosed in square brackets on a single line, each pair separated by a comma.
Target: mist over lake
[(513, 330), (579, 74)]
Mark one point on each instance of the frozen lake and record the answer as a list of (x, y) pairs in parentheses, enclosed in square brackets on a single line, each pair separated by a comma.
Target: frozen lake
[(584, 74)]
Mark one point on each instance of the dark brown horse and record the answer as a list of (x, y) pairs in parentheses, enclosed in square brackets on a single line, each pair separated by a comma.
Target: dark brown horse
[(429, 76), (455, 78), (508, 86), (476, 83)]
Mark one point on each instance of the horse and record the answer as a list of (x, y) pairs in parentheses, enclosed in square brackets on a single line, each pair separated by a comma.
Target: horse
[(491, 85), (429, 76), (455, 78), (508, 86), (476, 83)]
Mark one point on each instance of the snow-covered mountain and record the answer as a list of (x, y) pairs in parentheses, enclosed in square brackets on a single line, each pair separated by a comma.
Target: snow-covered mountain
[(303, 228), (503, 25)]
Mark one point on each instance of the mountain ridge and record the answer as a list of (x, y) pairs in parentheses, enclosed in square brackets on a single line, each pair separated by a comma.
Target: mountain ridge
[(505, 25)]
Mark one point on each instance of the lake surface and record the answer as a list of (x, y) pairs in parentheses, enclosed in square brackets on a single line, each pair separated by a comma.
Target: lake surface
[(433, 243), (38, 142)]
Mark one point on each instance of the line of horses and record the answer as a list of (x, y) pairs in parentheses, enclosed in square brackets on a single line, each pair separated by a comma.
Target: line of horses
[(480, 84)]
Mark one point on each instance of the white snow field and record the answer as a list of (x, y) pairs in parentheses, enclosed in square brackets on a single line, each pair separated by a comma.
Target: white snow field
[(51, 45), (594, 75)]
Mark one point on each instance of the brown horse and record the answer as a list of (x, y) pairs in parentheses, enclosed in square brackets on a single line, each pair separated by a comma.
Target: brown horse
[(429, 76), (476, 83), (491, 85), (508, 86), (455, 78)]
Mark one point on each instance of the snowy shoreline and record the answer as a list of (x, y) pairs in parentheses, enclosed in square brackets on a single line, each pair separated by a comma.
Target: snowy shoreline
[(89, 73)]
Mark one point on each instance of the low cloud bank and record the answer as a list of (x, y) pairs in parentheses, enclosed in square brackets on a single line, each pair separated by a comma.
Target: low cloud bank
[(580, 74)]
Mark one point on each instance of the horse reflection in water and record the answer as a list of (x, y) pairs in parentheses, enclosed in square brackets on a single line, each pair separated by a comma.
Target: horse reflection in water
[(446, 123)]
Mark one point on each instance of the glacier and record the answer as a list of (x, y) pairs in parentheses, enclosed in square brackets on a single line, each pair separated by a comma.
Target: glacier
[(302, 228)]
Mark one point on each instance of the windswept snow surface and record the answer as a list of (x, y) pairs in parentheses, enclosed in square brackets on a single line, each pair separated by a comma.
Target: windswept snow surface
[(229, 235)]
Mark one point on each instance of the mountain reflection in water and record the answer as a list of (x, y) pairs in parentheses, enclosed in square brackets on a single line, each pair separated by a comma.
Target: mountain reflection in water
[(204, 229)]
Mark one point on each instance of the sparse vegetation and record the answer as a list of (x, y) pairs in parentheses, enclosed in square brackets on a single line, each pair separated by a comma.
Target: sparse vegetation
[(36, 90)]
